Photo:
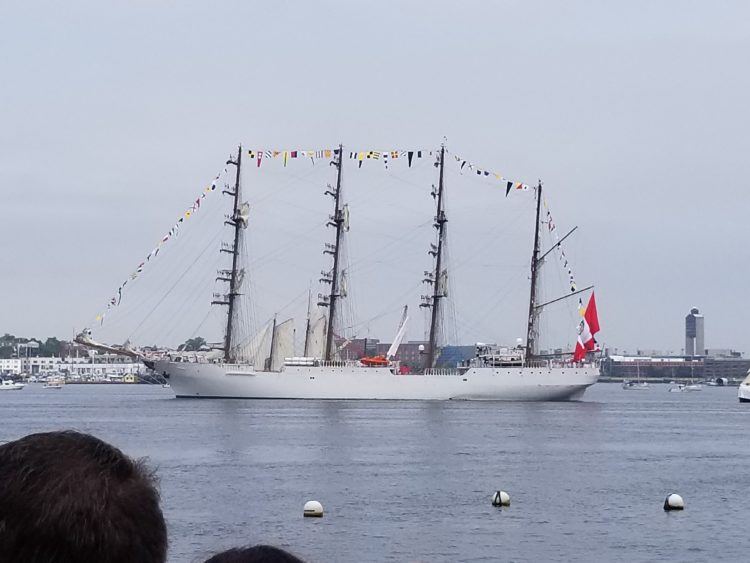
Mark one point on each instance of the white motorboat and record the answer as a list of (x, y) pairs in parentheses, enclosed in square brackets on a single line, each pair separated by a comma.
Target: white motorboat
[(743, 393), (9, 385), (685, 387), (53, 384), (718, 382), (635, 385)]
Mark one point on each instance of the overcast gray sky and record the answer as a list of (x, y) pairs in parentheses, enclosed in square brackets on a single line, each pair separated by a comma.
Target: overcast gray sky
[(114, 115)]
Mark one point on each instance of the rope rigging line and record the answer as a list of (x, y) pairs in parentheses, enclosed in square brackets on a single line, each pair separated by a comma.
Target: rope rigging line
[(368, 261), (194, 333), (248, 307), (500, 298), (491, 239), (205, 248), (186, 215), (297, 298), (199, 291), (187, 238)]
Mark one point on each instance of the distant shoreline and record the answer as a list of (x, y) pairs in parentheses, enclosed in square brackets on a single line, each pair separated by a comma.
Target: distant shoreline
[(611, 379)]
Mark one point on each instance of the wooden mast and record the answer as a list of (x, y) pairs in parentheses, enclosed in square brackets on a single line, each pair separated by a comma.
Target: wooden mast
[(337, 220), (437, 289), (532, 328)]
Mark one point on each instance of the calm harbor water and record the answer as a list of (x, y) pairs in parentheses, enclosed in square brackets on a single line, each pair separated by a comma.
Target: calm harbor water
[(412, 481)]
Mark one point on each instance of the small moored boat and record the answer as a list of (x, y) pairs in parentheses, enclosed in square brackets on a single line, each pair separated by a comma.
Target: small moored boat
[(744, 391), (685, 387)]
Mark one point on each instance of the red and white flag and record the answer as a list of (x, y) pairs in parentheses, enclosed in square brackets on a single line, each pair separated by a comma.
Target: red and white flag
[(588, 327)]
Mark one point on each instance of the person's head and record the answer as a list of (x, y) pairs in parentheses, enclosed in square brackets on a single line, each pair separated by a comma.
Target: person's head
[(69, 497), (254, 554)]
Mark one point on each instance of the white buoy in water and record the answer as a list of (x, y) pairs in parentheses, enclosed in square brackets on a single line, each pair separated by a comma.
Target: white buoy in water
[(500, 498), (674, 502), (313, 508)]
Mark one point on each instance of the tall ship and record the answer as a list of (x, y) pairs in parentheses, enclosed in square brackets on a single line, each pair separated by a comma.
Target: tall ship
[(265, 366)]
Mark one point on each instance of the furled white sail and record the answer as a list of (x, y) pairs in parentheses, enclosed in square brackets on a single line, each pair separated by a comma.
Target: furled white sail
[(344, 287), (400, 334), (346, 217), (316, 338), (258, 347), (243, 215), (443, 283), (240, 279), (85, 339), (283, 344)]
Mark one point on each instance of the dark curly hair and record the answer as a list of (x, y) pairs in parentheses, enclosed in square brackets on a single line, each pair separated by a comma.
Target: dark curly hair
[(68, 497)]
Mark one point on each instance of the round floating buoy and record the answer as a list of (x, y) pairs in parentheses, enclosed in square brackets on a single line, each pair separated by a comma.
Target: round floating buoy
[(674, 502), (500, 498), (313, 508)]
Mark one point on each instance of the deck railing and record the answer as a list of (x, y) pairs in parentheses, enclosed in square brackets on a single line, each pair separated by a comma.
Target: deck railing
[(441, 371)]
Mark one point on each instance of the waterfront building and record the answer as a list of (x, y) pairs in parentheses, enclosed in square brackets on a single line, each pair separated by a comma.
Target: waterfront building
[(668, 368), (409, 353), (98, 367), (694, 343), (11, 366), (29, 366), (722, 353), (359, 347), (452, 356), (101, 367), (732, 368), (40, 365), (650, 367)]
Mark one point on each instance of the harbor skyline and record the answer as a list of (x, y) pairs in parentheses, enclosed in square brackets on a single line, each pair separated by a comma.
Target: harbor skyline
[(578, 96), (405, 281)]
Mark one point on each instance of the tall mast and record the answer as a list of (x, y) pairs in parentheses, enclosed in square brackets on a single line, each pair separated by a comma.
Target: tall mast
[(531, 331), (234, 251), (337, 221), (307, 326), (437, 286)]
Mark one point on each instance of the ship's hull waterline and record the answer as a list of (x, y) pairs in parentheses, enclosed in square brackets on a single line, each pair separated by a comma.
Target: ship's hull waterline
[(207, 380)]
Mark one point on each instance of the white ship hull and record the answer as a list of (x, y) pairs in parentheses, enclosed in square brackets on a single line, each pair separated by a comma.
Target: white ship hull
[(207, 380)]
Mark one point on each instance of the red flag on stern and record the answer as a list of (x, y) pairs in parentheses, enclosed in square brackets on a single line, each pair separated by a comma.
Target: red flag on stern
[(588, 327)]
